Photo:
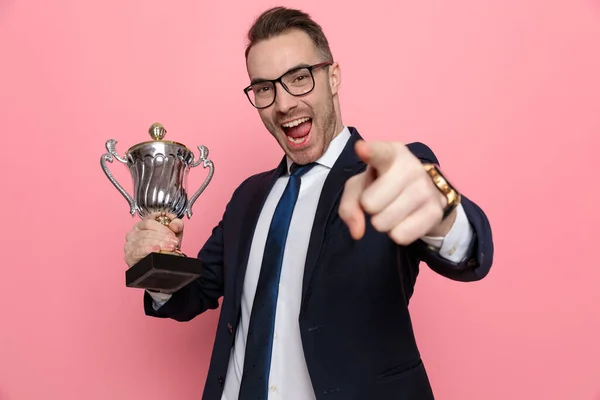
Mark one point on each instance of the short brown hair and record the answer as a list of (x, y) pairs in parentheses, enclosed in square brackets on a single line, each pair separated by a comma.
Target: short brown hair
[(278, 20)]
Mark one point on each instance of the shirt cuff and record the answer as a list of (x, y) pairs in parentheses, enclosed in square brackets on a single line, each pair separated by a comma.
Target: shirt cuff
[(159, 299), (455, 245)]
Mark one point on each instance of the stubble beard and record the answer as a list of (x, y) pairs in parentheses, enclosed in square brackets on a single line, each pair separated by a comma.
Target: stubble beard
[(324, 124)]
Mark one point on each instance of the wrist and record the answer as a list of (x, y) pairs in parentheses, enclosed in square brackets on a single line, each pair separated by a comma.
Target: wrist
[(445, 226)]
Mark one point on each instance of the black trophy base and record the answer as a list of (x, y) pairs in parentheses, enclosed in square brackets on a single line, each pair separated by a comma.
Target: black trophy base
[(163, 272)]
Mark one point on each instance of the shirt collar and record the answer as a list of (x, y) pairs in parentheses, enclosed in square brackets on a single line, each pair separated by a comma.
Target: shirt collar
[(333, 151)]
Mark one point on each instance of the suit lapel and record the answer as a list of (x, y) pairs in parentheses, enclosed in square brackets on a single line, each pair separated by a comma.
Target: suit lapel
[(255, 205), (347, 165)]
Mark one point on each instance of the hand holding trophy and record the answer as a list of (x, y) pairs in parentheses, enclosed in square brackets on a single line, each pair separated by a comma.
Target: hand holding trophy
[(159, 171)]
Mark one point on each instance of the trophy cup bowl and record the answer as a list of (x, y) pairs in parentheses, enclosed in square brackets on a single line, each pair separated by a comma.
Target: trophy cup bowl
[(159, 170)]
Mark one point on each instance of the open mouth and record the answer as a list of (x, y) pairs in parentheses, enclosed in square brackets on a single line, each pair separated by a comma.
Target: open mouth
[(297, 131)]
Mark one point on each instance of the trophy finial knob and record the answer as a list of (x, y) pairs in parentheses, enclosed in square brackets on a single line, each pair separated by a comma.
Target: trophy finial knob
[(157, 131)]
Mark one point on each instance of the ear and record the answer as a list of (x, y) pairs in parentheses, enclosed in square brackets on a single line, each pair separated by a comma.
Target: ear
[(335, 78)]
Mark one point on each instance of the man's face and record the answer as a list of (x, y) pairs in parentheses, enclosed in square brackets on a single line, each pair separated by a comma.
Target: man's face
[(303, 125)]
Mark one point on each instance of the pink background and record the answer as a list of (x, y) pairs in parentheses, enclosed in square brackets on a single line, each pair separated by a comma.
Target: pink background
[(506, 92)]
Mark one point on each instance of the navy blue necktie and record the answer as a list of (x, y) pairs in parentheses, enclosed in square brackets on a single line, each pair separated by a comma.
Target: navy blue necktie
[(257, 361)]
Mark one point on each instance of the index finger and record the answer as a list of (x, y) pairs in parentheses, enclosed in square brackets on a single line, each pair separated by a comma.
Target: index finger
[(379, 155)]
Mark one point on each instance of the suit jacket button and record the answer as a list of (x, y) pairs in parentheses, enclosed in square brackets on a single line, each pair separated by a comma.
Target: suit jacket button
[(230, 327), (220, 380)]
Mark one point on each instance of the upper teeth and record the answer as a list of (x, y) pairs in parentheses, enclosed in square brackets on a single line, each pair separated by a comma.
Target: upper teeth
[(296, 122)]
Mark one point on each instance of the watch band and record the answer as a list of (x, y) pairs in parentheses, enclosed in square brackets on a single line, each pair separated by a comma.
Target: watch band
[(445, 187)]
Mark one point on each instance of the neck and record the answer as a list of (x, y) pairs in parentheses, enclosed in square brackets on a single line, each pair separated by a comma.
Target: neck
[(339, 125)]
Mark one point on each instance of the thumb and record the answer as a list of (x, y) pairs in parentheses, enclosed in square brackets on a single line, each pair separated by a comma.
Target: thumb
[(176, 226), (349, 209), (379, 155)]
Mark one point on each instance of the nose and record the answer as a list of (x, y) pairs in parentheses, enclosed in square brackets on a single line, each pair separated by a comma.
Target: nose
[(284, 101)]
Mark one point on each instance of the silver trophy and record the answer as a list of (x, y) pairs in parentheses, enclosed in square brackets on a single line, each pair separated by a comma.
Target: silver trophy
[(159, 171)]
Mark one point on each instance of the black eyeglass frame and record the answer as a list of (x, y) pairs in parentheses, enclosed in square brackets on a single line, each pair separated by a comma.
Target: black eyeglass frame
[(310, 69)]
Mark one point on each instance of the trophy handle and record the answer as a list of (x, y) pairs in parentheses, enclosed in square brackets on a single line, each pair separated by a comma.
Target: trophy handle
[(110, 156), (202, 159)]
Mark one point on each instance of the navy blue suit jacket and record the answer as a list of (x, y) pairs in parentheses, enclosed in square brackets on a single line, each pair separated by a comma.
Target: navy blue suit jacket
[(355, 325)]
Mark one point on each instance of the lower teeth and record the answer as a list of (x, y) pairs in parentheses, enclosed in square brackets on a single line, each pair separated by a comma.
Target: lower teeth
[(299, 140)]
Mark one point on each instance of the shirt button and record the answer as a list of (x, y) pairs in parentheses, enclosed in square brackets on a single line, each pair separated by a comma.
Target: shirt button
[(273, 388), (452, 250), (472, 263), (275, 335)]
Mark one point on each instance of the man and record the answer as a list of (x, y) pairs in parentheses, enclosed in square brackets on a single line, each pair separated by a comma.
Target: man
[(316, 260)]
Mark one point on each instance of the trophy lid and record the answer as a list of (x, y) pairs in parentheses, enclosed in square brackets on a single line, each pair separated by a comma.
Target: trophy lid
[(157, 132)]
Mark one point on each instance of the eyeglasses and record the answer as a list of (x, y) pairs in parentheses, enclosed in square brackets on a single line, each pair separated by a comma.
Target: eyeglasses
[(297, 82)]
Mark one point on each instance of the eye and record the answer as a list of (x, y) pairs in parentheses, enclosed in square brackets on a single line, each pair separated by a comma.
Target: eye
[(261, 89), (300, 78)]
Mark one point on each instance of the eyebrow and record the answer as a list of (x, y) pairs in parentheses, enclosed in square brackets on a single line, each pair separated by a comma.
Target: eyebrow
[(259, 80)]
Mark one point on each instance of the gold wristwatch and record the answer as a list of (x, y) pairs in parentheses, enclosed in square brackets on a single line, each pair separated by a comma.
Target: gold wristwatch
[(443, 186)]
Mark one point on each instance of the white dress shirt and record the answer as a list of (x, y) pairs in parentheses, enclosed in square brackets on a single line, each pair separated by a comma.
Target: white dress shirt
[(289, 377)]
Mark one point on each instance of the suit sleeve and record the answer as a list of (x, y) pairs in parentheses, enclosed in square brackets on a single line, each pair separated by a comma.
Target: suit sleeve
[(199, 295), (478, 261), (203, 293)]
